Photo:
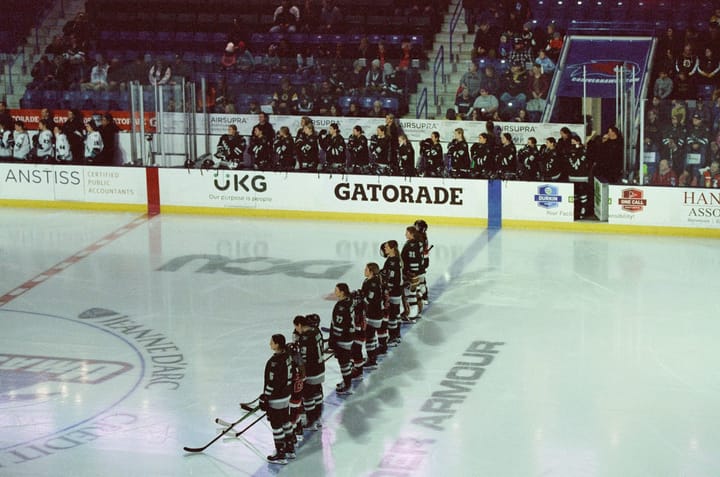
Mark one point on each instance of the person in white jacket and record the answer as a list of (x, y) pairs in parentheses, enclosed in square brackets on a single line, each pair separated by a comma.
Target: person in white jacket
[(93, 142), (6, 141), (63, 154), (22, 146)]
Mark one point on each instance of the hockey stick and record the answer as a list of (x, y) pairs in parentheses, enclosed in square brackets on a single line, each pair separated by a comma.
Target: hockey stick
[(248, 405), (233, 424), (239, 433)]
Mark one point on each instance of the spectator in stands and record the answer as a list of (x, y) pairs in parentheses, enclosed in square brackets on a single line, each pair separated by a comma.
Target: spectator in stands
[(708, 68), (485, 41), (42, 72), (5, 116), (180, 70), (137, 71), (684, 86), (688, 62), (309, 17), (326, 97), (546, 64), (664, 175), (669, 41), (700, 108), (285, 18), (554, 46), (355, 81), (75, 62), (451, 114), (305, 101), (486, 103), (538, 85), (336, 79), (696, 148), (116, 75), (406, 55), (472, 10), (520, 54), (374, 79), (57, 46), (710, 176), (663, 86), (653, 126), (376, 111), (285, 98), (79, 28), (244, 58), (330, 17), (159, 73), (98, 76), (353, 110), (271, 60), (471, 81), (490, 80), (108, 133), (513, 97), (505, 47), (364, 49)]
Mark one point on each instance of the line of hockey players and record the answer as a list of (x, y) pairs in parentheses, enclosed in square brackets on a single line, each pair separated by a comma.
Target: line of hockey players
[(369, 318), (53, 144)]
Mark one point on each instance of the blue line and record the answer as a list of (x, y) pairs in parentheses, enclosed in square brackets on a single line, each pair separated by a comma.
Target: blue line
[(134, 388), (494, 204)]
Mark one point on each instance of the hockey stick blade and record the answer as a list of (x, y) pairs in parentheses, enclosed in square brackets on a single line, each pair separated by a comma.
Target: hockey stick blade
[(249, 403), (219, 436), (223, 422), (240, 433), (247, 407)]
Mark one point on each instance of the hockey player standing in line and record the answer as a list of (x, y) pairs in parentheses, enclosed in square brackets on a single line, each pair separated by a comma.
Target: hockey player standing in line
[(275, 398), (372, 297), (458, 164), (44, 139), (22, 144), (507, 157), (482, 158), (334, 146), (406, 156), (550, 165), (579, 173), (341, 335), (306, 145), (431, 156), (230, 148), (411, 256), (260, 150), (93, 142), (380, 152), (284, 148), (358, 150), (295, 410), (391, 275), (311, 349), (527, 161), (421, 226), (6, 140), (63, 153)]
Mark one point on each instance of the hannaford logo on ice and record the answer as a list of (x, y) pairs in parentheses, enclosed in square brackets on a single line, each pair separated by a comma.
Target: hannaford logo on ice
[(632, 200), (126, 357), (547, 196)]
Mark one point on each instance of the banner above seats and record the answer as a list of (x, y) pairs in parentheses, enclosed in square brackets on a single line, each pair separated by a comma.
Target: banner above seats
[(594, 61)]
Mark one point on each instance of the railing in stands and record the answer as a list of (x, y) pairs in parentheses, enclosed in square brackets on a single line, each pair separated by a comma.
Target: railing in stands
[(453, 24), (421, 105), (438, 65)]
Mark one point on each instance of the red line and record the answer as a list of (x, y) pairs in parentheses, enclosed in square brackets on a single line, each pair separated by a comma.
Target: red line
[(59, 267), (153, 190)]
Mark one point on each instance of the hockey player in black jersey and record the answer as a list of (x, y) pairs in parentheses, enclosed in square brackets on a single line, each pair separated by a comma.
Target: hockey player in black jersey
[(507, 157), (380, 152), (482, 158), (412, 262), (342, 331), (431, 156), (276, 397), (310, 344), (358, 152), (334, 146), (528, 161), (284, 149), (296, 410), (391, 275), (550, 165), (458, 155), (230, 149), (373, 298), (579, 168), (306, 146), (421, 236), (406, 156), (261, 150)]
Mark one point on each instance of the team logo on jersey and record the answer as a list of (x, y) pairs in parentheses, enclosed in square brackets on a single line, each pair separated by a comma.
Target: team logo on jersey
[(631, 200), (548, 196)]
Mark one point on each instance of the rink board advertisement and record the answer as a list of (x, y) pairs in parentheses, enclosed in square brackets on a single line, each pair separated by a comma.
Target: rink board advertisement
[(108, 185), (537, 201), (323, 193), (664, 206)]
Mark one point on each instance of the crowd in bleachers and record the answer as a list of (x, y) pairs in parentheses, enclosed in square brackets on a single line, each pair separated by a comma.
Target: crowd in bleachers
[(682, 117)]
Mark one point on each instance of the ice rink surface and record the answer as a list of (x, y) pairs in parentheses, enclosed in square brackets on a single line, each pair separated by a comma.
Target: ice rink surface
[(541, 353)]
